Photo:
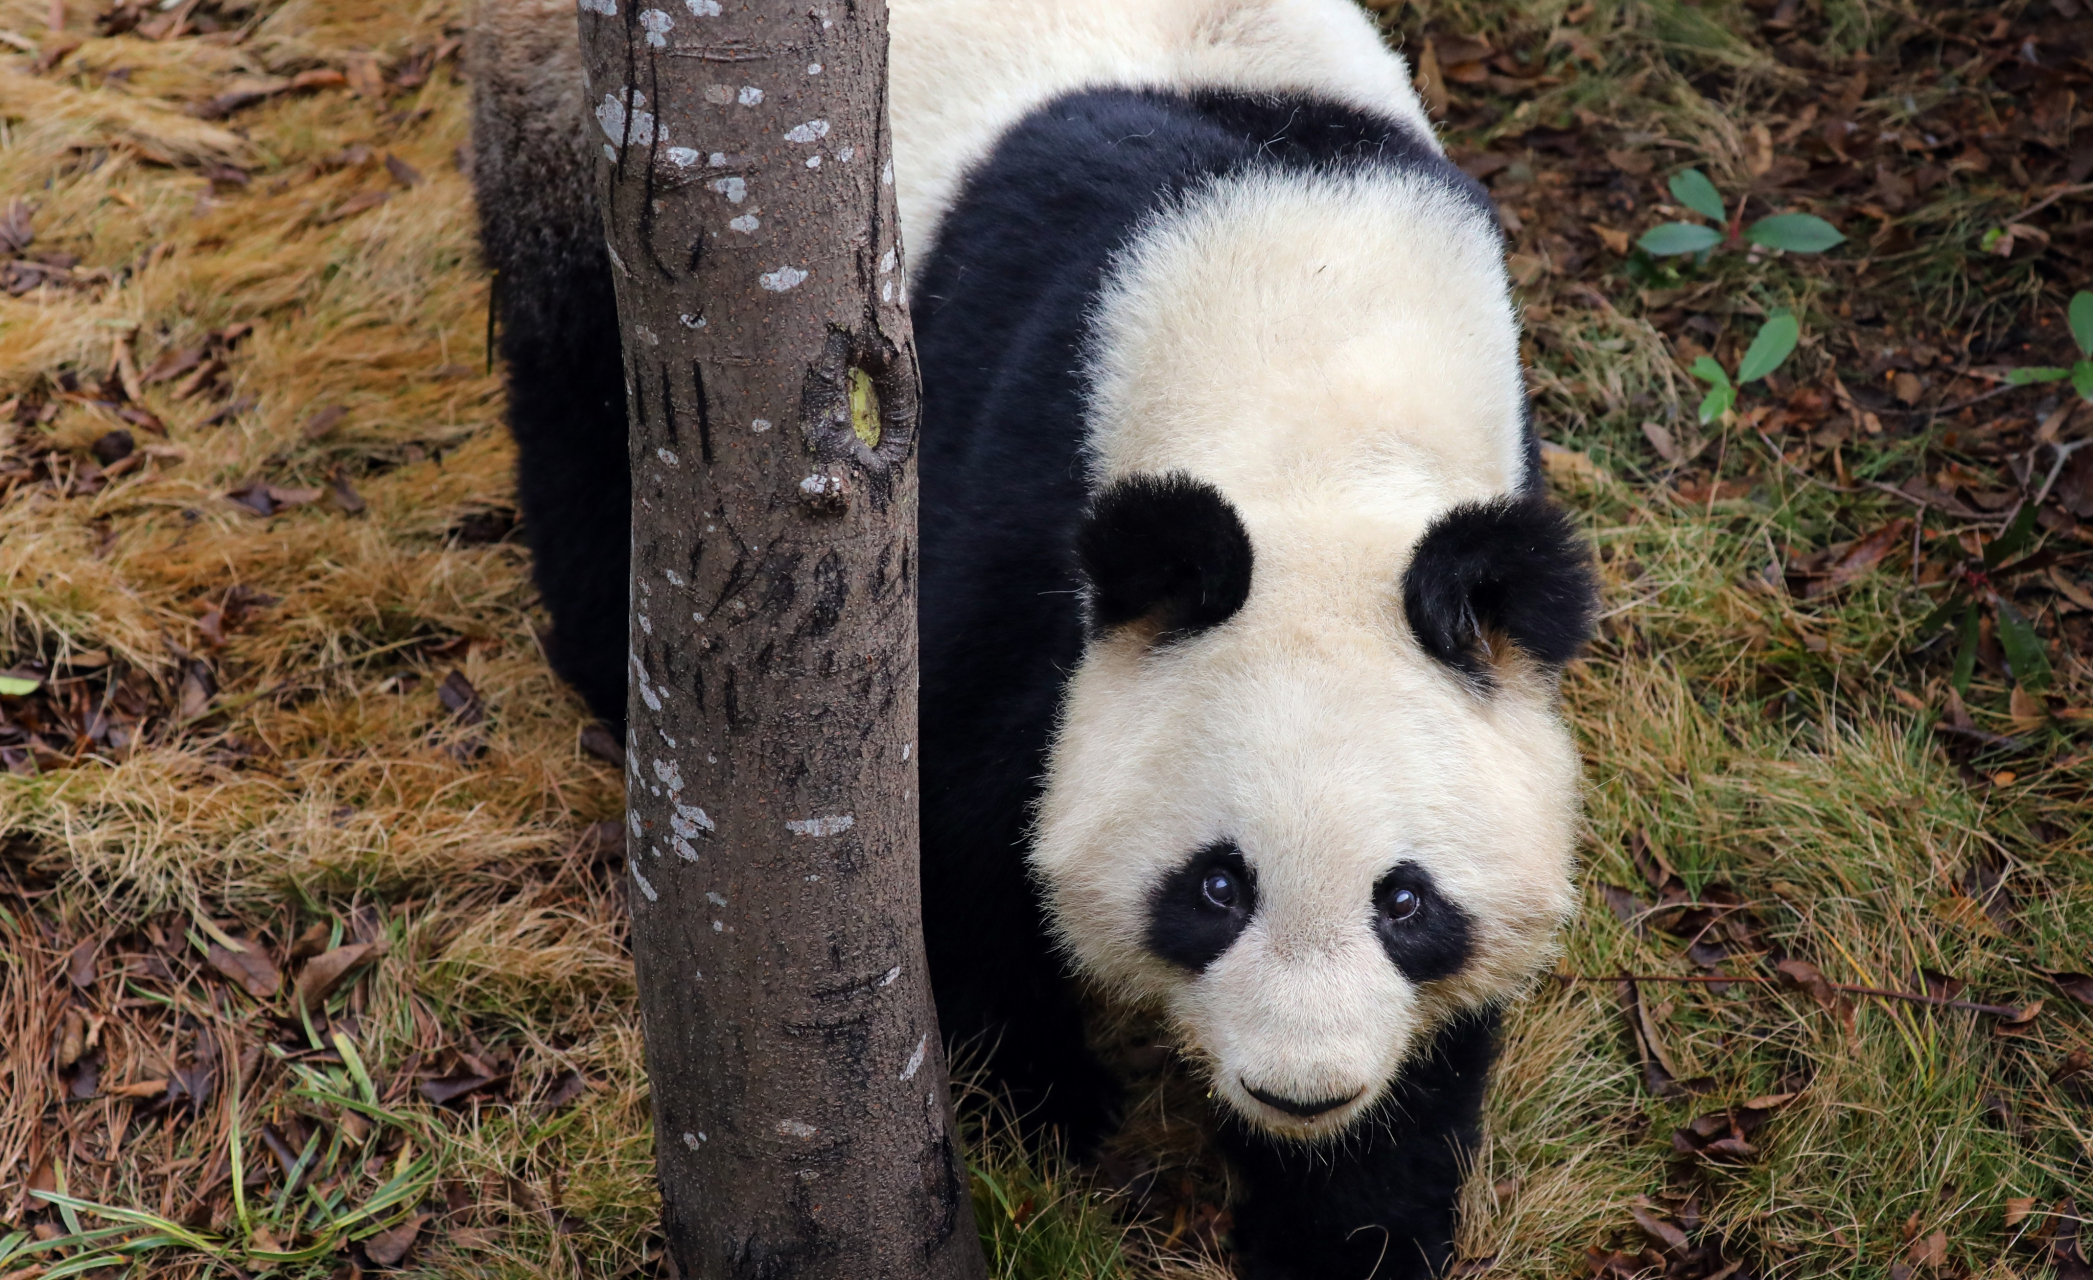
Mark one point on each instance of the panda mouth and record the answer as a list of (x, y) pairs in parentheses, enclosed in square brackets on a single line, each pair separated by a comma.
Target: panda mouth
[(1299, 1109)]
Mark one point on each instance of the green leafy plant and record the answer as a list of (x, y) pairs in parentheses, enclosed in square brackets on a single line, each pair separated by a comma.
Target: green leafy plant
[(1794, 232), (1772, 346), (2081, 371), (1974, 586)]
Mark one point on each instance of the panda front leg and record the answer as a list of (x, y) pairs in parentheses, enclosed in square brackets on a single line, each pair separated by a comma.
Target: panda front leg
[(1379, 1200)]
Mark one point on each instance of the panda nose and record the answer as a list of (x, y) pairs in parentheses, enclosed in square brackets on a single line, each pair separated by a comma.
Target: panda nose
[(1298, 1108)]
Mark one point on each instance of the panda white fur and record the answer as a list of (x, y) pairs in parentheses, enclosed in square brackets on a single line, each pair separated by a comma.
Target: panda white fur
[(1241, 610)]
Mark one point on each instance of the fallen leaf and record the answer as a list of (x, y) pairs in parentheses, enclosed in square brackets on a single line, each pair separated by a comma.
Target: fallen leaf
[(80, 963), (1663, 1233), (344, 494), (364, 79), (451, 1088), (312, 941), (324, 972), (403, 173), (1626, 907), (2021, 1025), (251, 968), (1661, 440), (1633, 163), (571, 1086), (1614, 239), (323, 421), (459, 698), (140, 1089), (255, 497), (1930, 1251), (389, 1247), (292, 497), (2077, 1062), (320, 78), (600, 742), (2079, 986), (2018, 1208), (44, 1178), (1569, 467)]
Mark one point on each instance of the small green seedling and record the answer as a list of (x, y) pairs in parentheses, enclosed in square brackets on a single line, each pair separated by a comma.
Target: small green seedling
[(1768, 351), (1975, 586), (1794, 232), (2081, 372)]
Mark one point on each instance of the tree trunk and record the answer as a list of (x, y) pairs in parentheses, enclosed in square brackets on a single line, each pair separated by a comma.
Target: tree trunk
[(802, 1119)]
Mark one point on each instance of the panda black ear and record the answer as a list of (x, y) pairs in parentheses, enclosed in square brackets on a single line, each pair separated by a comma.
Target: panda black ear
[(1167, 551), (1512, 568)]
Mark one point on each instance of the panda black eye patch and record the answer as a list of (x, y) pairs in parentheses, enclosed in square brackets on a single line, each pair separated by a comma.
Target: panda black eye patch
[(1422, 931), (1197, 911)]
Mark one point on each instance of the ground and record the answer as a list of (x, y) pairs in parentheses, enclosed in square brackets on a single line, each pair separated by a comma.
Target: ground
[(310, 951)]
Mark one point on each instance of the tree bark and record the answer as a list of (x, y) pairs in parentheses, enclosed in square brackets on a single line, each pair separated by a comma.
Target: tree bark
[(802, 1117)]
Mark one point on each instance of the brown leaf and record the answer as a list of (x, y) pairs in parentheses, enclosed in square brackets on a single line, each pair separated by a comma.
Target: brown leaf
[(321, 78), (388, 1248), (80, 963), (571, 1086), (324, 972), (255, 497), (365, 80), (1626, 907), (292, 497), (2021, 1025), (1930, 1251), (323, 421), (460, 698), (72, 1039), (600, 742), (451, 1088), (344, 494), (2079, 986), (44, 1178), (17, 232), (251, 968), (2018, 1208), (1663, 1233), (311, 942), (1661, 440), (140, 1089), (1633, 163), (403, 173), (198, 688), (358, 203)]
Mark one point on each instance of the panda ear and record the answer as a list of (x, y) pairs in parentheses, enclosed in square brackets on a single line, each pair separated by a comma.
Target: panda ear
[(1165, 551), (1510, 569)]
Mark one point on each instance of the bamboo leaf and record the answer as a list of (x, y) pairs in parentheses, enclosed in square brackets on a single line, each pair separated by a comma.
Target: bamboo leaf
[(2082, 320), (18, 686), (2024, 651), (1774, 344), (2082, 380), (1692, 189), (2037, 373), (1795, 232), (2014, 539), (1966, 655), (1668, 239)]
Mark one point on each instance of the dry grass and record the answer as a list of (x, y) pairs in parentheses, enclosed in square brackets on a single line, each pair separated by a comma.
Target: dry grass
[(240, 728)]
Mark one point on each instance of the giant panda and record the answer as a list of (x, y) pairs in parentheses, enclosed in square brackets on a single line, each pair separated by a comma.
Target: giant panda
[(1242, 609)]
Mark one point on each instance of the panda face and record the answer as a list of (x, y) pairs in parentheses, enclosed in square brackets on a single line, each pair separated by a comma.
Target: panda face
[(1301, 835)]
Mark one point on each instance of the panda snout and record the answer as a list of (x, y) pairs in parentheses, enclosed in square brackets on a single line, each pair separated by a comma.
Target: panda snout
[(1297, 1108)]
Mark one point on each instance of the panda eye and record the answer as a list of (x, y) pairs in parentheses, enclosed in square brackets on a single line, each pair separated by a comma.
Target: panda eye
[(1401, 905), (1219, 889)]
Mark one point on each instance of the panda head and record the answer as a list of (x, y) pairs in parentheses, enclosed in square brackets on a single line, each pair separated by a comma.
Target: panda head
[(1310, 794)]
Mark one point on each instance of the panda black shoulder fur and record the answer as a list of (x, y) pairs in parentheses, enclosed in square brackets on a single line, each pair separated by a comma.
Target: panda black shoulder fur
[(1241, 610)]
